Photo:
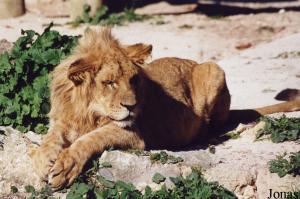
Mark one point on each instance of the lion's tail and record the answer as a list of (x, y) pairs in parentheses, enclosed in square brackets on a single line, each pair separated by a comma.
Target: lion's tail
[(248, 115)]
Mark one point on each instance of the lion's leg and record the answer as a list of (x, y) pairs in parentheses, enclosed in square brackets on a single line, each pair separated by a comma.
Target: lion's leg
[(71, 160), (220, 111), (211, 97), (44, 156)]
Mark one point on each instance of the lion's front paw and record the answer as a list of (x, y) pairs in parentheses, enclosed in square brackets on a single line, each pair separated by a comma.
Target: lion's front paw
[(43, 159), (65, 170)]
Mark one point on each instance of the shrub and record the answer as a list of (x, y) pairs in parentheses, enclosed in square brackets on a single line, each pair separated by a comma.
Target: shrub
[(283, 166), (104, 17), (281, 129), (24, 90)]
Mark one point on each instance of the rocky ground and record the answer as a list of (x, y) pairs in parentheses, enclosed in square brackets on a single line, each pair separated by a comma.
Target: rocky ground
[(256, 52)]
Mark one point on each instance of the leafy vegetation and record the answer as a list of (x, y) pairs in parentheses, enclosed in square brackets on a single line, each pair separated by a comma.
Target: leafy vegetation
[(92, 185), (291, 54), (24, 90), (160, 157), (104, 17), (163, 158), (44, 193), (193, 186), (158, 178), (105, 165), (281, 129), (283, 166), (294, 195), (13, 189)]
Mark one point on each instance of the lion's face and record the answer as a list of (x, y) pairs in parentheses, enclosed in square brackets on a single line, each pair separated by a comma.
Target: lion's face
[(113, 79), (115, 92)]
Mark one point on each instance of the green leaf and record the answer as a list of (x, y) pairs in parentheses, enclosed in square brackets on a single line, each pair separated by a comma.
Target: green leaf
[(164, 158), (123, 186), (41, 128), (106, 183), (101, 12), (29, 189), (158, 178), (13, 189), (105, 165), (78, 191)]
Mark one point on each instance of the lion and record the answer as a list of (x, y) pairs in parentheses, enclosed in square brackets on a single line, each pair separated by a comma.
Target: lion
[(106, 95)]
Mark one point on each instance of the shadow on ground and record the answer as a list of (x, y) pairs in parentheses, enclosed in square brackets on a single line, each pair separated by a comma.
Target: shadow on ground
[(216, 8), (227, 10)]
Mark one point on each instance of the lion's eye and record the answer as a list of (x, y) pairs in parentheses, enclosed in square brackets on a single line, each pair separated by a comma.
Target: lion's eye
[(110, 83)]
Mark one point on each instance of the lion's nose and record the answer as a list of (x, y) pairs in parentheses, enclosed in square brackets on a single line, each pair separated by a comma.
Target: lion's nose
[(130, 107)]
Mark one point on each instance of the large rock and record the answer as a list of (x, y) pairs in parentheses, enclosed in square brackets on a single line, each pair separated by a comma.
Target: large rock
[(15, 165), (11, 8), (49, 8)]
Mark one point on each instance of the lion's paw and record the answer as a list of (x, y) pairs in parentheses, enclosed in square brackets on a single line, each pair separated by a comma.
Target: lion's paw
[(43, 158), (65, 170)]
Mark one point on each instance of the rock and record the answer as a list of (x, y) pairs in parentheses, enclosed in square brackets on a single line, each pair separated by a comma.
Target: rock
[(11, 8), (4, 45), (49, 8), (266, 181), (15, 165), (137, 169), (242, 46), (166, 8)]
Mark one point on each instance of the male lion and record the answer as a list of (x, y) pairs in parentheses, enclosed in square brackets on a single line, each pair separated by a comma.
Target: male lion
[(106, 95)]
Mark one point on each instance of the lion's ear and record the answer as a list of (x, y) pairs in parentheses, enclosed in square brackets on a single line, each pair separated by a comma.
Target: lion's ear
[(139, 52), (77, 71)]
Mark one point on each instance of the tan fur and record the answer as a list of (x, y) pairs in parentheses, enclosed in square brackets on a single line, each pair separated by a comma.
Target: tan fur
[(105, 95)]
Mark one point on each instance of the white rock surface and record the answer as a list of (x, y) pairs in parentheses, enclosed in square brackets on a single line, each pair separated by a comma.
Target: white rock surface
[(15, 165)]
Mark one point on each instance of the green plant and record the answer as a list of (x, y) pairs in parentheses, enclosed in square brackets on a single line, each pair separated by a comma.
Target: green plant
[(281, 129), (13, 189), (43, 193), (294, 195), (191, 187), (186, 26), (92, 185), (104, 17), (24, 90), (283, 166), (163, 158), (160, 157), (105, 165), (158, 178)]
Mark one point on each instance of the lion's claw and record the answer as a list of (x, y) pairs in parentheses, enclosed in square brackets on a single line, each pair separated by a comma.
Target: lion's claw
[(43, 159), (64, 171)]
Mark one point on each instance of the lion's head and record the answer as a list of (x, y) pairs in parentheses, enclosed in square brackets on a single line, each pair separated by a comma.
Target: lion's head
[(111, 73)]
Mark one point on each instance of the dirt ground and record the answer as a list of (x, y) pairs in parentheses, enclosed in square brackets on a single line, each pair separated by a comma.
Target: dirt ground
[(193, 35)]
